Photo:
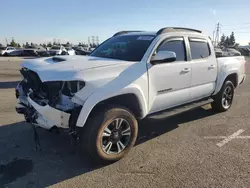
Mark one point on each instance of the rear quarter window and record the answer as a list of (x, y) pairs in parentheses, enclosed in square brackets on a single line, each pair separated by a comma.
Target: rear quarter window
[(199, 48)]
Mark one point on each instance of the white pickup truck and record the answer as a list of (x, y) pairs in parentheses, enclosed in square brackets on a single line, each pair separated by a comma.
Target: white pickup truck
[(130, 76)]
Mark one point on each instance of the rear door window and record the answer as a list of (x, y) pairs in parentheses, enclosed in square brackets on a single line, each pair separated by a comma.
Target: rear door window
[(199, 48)]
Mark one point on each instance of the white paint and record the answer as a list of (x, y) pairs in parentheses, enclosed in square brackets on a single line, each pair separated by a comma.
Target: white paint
[(215, 137), (243, 137), (229, 138)]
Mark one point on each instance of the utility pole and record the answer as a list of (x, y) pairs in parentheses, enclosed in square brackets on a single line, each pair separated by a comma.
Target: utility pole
[(6, 40), (93, 40), (97, 40), (88, 42), (217, 34), (213, 38)]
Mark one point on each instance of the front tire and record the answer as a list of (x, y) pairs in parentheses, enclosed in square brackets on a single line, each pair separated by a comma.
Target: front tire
[(224, 99), (109, 135)]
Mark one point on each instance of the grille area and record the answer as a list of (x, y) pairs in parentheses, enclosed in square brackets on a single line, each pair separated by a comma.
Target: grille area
[(31, 80), (42, 93)]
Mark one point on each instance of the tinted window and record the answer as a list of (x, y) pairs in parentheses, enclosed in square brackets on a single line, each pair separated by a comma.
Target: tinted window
[(176, 46), (55, 47), (128, 48), (199, 49)]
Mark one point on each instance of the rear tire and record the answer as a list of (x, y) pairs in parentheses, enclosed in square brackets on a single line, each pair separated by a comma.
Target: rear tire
[(109, 135), (224, 99)]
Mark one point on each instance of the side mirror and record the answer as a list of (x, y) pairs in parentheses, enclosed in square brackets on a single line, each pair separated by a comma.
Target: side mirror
[(163, 57)]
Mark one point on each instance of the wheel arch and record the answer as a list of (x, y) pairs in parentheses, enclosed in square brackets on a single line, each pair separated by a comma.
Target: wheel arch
[(129, 101), (135, 102), (233, 77)]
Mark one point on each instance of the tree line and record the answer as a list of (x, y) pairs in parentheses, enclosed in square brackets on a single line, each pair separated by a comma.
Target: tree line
[(228, 41), (45, 45)]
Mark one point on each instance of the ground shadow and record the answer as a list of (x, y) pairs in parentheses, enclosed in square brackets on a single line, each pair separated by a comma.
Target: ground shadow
[(22, 166), (59, 160), (8, 85), (14, 169), (157, 125)]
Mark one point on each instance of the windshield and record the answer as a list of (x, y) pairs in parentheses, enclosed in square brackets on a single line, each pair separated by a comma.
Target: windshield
[(128, 48), (55, 47)]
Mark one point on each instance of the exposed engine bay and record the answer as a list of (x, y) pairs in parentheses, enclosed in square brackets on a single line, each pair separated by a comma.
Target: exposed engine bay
[(46, 104)]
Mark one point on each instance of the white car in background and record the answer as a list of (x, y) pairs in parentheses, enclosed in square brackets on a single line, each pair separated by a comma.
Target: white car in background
[(57, 50), (70, 51), (6, 50)]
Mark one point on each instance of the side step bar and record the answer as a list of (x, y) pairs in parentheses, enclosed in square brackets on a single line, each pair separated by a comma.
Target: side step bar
[(182, 108)]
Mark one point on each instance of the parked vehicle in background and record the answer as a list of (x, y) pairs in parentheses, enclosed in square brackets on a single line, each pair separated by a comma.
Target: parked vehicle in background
[(218, 52), (245, 51), (43, 53), (92, 49), (70, 51), (36, 47), (36, 50), (231, 52), (79, 50), (30, 52), (24, 52), (57, 50), (18, 52), (6, 50), (100, 98)]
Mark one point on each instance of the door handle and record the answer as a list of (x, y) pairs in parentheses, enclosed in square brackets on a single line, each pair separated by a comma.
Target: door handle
[(186, 70), (211, 67)]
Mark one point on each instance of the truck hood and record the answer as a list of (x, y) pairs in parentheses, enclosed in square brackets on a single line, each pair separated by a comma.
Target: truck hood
[(66, 68)]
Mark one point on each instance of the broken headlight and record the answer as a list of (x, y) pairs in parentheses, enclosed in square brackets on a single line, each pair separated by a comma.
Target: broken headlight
[(71, 87)]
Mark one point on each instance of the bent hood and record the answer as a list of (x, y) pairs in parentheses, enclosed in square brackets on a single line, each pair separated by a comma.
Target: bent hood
[(65, 68)]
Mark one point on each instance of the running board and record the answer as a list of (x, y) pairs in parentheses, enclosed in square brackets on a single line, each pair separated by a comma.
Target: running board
[(182, 108)]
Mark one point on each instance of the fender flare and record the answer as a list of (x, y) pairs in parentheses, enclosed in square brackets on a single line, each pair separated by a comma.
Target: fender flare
[(98, 97), (222, 79)]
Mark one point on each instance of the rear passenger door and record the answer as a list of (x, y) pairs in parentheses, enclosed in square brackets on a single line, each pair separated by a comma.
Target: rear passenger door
[(204, 68)]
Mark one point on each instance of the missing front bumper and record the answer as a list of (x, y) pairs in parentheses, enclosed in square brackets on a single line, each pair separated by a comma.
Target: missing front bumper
[(43, 116)]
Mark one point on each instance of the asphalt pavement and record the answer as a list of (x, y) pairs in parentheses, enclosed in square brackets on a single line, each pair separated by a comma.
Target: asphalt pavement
[(197, 148)]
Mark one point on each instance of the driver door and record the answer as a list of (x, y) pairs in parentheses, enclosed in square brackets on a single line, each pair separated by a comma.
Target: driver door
[(170, 82)]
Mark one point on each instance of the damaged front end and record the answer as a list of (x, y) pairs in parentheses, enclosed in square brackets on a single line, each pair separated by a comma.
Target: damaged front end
[(47, 104)]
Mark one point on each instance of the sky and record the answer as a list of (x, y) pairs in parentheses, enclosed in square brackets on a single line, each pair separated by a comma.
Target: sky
[(41, 21)]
